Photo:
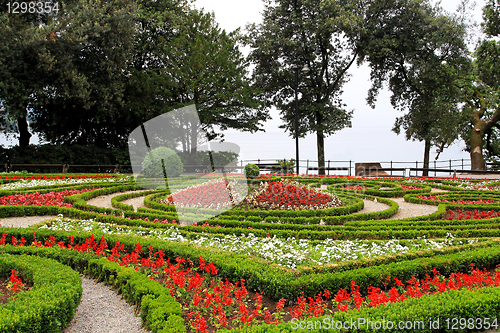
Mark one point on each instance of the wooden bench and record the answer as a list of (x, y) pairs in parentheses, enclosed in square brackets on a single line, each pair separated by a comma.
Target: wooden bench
[(269, 166)]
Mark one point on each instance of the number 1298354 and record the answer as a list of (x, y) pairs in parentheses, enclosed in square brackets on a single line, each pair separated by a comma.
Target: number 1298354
[(32, 7)]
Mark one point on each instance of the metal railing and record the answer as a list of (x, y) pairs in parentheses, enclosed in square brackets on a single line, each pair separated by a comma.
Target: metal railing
[(306, 167), (393, 168)]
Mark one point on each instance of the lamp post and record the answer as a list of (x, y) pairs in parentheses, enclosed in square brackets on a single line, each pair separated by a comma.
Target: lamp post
[(305, 70)]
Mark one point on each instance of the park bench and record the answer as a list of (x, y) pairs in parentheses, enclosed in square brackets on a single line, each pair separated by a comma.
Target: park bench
[(269, 166)]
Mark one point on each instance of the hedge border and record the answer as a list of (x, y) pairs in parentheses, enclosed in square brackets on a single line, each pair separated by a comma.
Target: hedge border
[(50, 304)]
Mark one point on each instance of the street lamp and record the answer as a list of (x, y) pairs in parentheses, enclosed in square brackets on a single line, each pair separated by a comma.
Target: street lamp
[(305, 70)]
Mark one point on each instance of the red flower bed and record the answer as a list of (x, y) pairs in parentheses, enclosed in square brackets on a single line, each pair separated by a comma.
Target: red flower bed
[(210, 303), (468, 215), (410, 187), (468, 202), (16, 284), (290, 196), (37, 199), (213, 194)]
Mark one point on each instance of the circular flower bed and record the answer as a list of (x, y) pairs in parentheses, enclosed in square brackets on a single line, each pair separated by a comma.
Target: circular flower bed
[(214, 194), (290, 195), (277, 195)]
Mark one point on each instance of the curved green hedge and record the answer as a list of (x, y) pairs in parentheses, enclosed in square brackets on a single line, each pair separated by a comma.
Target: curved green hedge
[(50, 304), (159, 311)]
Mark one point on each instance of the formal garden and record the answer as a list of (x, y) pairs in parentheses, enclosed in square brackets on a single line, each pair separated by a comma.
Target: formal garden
[(294, 253)]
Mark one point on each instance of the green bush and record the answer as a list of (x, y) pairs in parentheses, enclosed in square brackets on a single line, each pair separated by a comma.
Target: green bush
[(252, 171), (50, 304), (286, 166), (160, 158), (64, 154), (159, 310), (199, 161)]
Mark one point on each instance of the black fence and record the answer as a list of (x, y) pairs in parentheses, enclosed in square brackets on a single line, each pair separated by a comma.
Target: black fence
[(448, 167), (390, 168)]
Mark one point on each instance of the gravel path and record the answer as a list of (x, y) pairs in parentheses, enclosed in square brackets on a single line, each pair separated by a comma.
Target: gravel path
[(406, 209), (23, 221), (372, 206), (105, 200), (102, 310), (135, 202)]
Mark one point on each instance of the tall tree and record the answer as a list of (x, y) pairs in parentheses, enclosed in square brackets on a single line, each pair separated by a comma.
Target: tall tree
[(298, 32), (482, 92), (84, 90), (204, 66), (158, 23), (173, 56), (421, 52), (24, 60)]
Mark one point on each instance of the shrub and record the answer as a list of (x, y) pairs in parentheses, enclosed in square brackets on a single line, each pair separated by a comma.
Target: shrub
[(200, 160), (252, 171), (286, 166), (159, 158), (50, 304)]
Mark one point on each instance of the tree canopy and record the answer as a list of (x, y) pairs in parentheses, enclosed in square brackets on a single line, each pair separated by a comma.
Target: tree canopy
[(295, 33), (105, 66), (481, 93), (420, 51)]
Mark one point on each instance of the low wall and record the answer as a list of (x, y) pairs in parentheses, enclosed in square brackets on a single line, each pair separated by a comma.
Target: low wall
[(369, 168)]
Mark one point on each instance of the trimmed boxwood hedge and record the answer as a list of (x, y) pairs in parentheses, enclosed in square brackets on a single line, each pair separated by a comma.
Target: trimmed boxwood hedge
[(50, 304), (159, 311), (276, 281)]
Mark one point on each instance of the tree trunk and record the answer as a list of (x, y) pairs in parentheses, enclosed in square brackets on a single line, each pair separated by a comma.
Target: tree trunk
[(320, 143), (427, 151), (321, 152), (481, 127), (476, 146), (24, 134)]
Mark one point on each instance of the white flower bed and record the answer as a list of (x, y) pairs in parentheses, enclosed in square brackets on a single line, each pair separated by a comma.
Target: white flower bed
[(28, 183), (465, 184), (289, 253)]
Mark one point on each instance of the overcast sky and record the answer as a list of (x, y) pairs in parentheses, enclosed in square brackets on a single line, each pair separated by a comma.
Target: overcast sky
[(369, 139)]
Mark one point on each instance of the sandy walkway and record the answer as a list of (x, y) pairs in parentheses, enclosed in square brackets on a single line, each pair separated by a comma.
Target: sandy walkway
[(105, 200), (406, 209), (102, 310), (23, 221), (135, 202)]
